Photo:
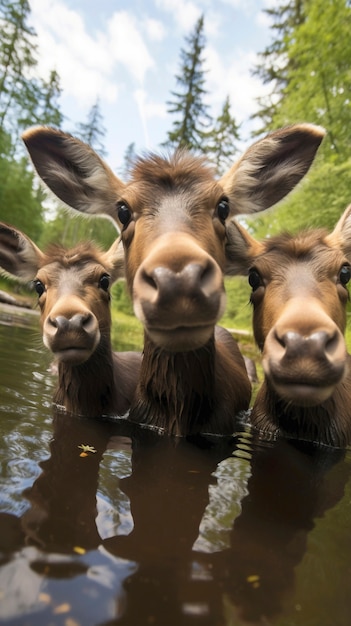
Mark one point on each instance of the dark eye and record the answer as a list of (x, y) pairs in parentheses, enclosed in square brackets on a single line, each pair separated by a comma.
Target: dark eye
[(124, 213), (39, 287), (255, 280), (345, 274), (104, 282), (223, 209)]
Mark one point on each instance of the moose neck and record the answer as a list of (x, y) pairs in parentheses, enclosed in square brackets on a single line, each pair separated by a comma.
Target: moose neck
[(89, 389), (176, 389), (328, 423)]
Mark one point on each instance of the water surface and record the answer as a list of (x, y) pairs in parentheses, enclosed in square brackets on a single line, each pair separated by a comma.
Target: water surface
[(149, 530)]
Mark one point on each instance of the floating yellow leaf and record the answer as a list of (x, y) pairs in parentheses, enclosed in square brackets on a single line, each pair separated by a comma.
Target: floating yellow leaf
[(62, 608), (254, 580), (71, 622), (79, 550), (44, 597), (86, 448)]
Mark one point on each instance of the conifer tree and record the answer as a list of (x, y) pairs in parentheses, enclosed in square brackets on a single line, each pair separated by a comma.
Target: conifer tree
[(275, 62), (192, 117), (223, 138), (92, 131), (128, 160)]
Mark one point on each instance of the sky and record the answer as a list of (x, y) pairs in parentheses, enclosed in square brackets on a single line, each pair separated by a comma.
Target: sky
[(126, 53)]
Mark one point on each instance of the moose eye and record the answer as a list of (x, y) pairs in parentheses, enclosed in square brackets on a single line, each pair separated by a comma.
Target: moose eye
[(255, 280), (39, 287), (104, 282), (345, 274), (223, 209), (124, 213)]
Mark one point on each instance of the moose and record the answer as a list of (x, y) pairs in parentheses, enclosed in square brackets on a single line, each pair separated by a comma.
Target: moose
[(173, 215), (74, 300), (299, 296)]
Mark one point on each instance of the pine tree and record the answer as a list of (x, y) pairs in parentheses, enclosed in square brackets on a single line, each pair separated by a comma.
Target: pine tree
[(223, 138), (317, 90), (93, 131), (17, 59), (275, 61), (193, 119), (24, 98), (128, 160), (48, 107)]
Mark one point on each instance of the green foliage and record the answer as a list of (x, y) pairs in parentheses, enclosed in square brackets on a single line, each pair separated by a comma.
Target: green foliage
[(275, 61), (238, 311), (320, 92), (308, 67), (20, 202), (319, 201), (24, 99), (69, 228), (121, 299)]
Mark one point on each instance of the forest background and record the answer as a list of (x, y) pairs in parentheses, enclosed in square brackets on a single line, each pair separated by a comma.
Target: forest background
[(307, 70)]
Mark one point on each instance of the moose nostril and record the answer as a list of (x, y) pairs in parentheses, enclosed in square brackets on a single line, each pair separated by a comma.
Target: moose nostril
[(81, 321), (290, 341), (60, 322), (153, 279), (200, 276), (316, 344)]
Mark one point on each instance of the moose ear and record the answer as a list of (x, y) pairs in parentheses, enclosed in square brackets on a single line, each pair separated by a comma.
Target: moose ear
[(341, 235), (114, 259), (73, 171), (271, 168), (240, 249), (19, 256)]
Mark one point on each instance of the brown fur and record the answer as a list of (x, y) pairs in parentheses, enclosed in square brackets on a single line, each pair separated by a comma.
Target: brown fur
[(174, 232), (92, 379), (105, 383), (304, 268), (190, 392), (195, 388)]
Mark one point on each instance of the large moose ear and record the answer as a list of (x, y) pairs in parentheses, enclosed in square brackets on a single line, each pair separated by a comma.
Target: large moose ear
[(341, 235), (73, 171), (19, 256), (114, 260), (271, 168), (240, 249)]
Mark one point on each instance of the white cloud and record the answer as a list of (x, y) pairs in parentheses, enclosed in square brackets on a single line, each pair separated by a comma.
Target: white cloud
[(127, 46), (82, 62), (233, 77), (147, 110), (154, 29), (87, 63), (184, 12)]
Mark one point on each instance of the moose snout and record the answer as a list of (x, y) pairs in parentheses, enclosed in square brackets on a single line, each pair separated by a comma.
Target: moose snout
[(71, 336), (81, 322), (194, 281), (178, 294), (191, 296), (319, 344), (304, 367)]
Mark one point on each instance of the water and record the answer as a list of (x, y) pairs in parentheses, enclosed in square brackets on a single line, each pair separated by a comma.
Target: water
[(147, 530)]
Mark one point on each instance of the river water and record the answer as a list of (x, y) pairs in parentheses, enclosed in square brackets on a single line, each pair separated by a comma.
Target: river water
[(149, 530)]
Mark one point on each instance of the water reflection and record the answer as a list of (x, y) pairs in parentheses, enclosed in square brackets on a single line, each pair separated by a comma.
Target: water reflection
[(152, 530)]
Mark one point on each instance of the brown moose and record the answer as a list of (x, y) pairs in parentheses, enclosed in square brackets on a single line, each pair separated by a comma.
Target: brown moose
[(299, 296), (173, 215), (74, 299)]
